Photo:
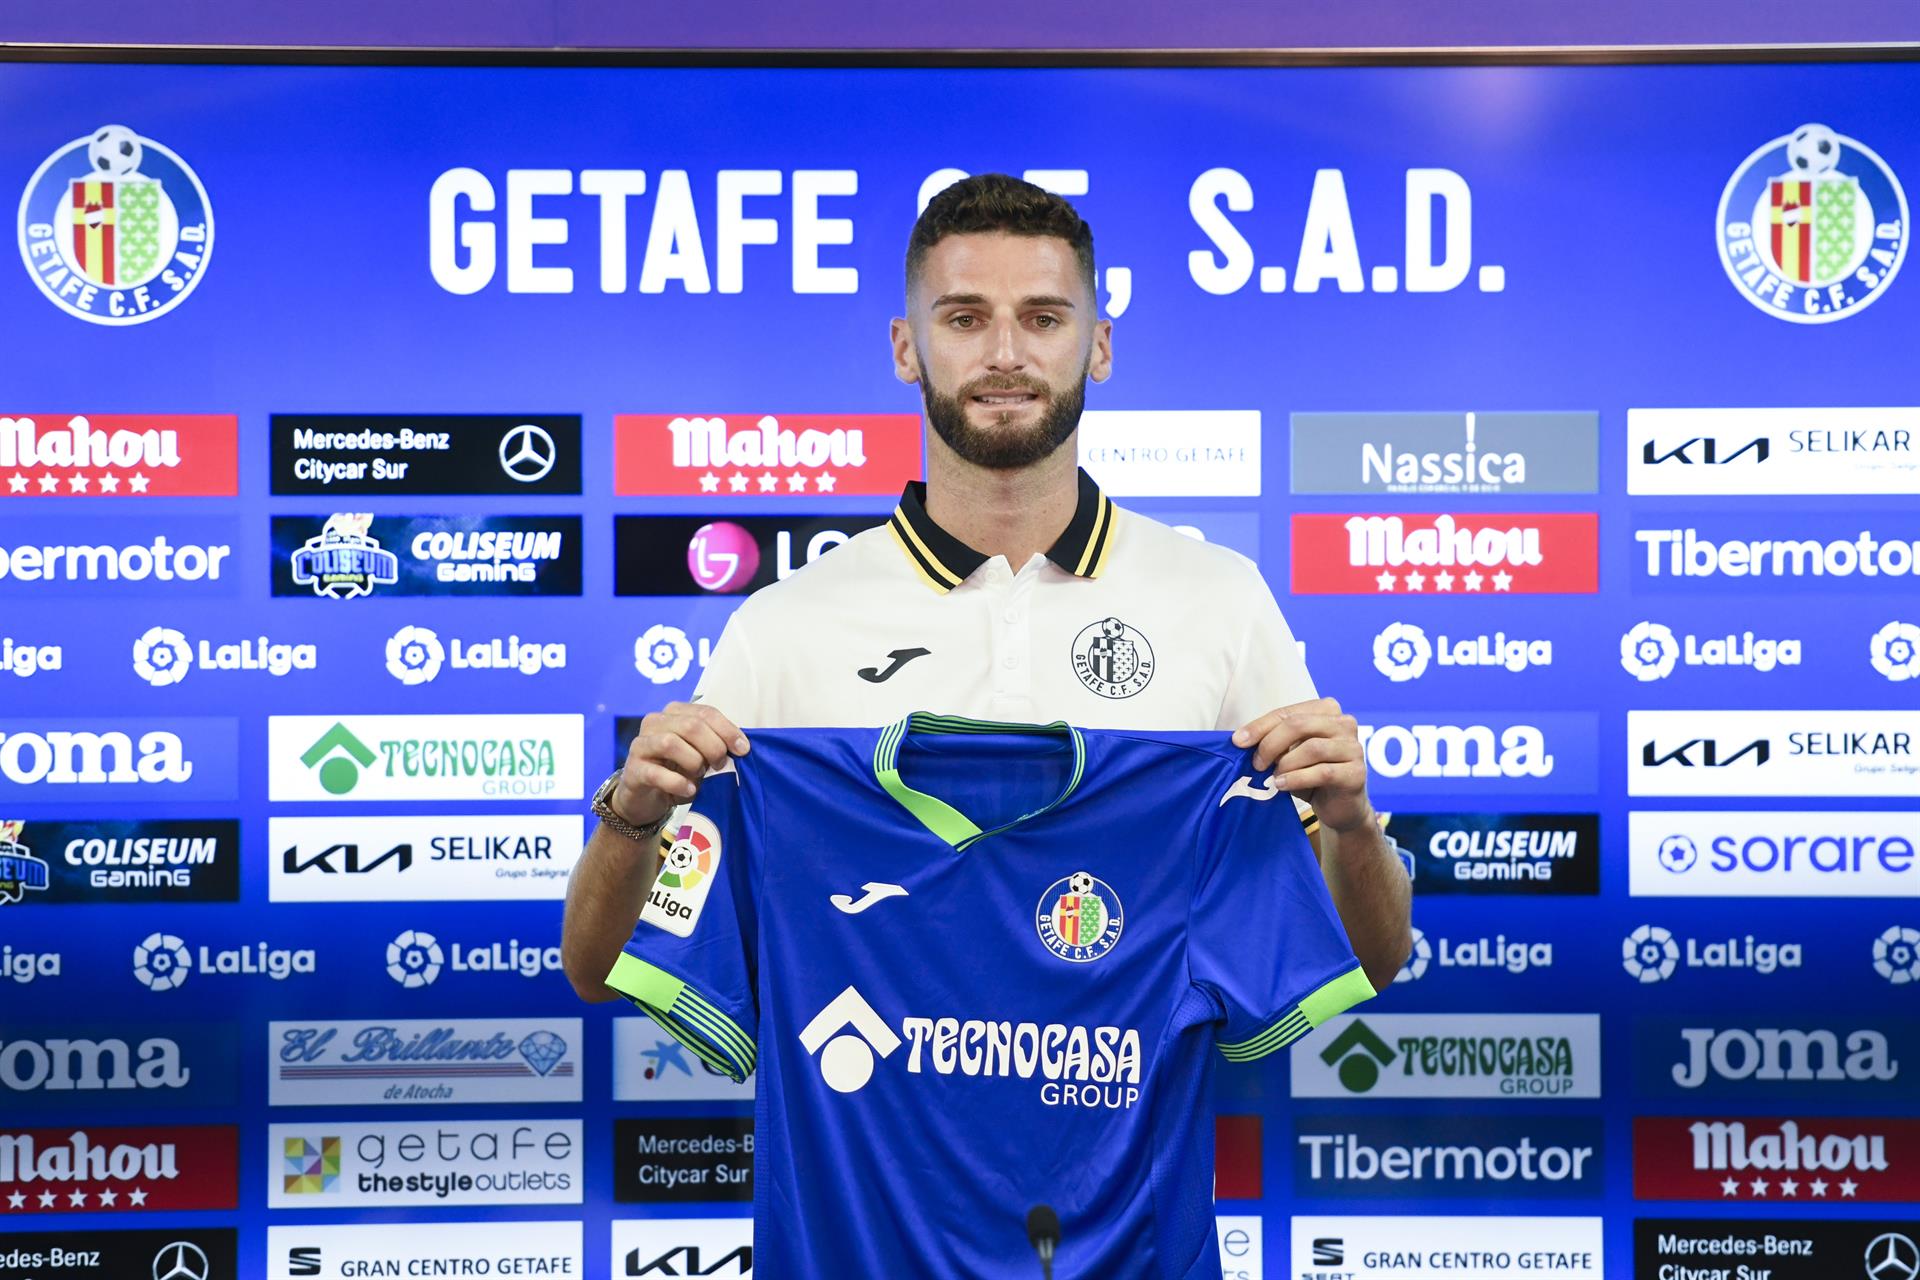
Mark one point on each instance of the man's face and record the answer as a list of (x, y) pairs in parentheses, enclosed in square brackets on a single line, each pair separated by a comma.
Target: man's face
[(1002, 339)]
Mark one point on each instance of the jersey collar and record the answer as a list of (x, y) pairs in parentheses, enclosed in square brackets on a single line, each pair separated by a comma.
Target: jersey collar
[(944, 561), (939, 817)]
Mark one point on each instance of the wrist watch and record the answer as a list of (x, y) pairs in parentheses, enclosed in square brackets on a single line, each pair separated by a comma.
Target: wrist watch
[(603, 809)]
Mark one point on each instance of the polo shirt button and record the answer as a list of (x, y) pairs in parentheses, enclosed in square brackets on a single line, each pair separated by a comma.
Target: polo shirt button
[(1011, 615), (1011, 661)]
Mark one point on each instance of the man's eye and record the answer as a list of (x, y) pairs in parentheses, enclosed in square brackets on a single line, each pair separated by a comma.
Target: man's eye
[(961, 322), (1047, 322)]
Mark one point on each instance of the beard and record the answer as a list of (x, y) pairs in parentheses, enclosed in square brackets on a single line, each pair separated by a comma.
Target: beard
[(1003, 447)]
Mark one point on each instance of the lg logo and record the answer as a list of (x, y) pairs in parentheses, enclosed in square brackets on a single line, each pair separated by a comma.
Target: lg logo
[(846, 1061)]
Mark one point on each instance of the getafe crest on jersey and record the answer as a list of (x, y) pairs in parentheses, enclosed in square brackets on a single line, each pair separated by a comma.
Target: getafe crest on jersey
[(1079, 918), (1812, 226), (115, 228)]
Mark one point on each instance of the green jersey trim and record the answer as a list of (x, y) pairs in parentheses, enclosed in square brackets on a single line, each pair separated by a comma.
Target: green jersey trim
[(935, 814), (1337, 996), (686, 1015)]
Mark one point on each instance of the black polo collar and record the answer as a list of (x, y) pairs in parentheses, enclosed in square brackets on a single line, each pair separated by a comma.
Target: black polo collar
[(945, 562)]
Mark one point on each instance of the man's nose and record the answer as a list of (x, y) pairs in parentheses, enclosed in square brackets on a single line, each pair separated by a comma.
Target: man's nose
[(1007, 353)]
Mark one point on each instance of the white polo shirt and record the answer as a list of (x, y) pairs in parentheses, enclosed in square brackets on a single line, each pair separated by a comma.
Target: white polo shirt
[(1125, 623)]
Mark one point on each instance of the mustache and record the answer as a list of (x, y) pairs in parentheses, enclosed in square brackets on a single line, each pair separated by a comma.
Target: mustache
[(999, 386)]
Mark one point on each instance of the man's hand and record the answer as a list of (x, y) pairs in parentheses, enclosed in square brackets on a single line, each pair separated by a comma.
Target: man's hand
[(674, 749), (1317, 748)]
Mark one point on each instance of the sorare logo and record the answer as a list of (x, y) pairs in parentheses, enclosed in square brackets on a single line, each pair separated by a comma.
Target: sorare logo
[(1774, 854)]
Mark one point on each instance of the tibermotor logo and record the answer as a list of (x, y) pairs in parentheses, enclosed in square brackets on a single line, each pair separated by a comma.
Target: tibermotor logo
[(124, 1170), (765, 455), (119, 455), (1798, 1160), (1450, 554), (68, 556)]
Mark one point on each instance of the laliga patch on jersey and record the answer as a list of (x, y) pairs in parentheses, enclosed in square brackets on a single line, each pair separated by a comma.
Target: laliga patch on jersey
[(680, 891), (1079, 918)]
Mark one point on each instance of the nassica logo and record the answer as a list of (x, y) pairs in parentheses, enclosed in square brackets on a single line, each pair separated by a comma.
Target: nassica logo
[(420, 1060), (1652, 953), (115, 228), (1446, 554), (1796, 551), (1779, 1160), (415, 655), (1392, 453), (766, 455), (1773, 451), (1769, 753), (1776, 853), (1812, 226), (451, 757), (163, 656), (1451, 1055), (1402, 652), (1649, 651), (119, 455)]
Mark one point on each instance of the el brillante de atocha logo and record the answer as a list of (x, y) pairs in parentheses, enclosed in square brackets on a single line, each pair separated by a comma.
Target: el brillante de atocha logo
[(1813, 226), (115, 228)]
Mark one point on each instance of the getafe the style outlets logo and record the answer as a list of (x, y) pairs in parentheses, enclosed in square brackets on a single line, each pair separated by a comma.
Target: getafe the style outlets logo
[(115, 228), (1813, 226)]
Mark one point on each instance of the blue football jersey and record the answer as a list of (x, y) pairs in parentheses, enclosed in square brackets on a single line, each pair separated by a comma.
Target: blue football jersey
[(983, 967)]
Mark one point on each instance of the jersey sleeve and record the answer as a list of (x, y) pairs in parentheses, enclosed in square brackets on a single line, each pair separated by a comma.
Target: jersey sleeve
[(1268, 671), (1263, 938), (691, 962)]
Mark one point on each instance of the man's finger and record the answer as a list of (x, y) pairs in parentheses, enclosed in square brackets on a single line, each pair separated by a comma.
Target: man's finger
[(728, 731), (1312, 778), (1319, 751), (671, 751), (701, 737), (1294, 730)]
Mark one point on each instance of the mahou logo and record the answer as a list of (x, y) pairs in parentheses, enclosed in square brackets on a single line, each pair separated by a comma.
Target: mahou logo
[(765, 455), (119, 455), (1516, 553), (1776, 1160), (118, 1169)]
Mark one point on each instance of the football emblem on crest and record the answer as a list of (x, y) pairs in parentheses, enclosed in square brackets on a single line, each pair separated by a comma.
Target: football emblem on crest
[(1079, 918), (1112, 659), (690, 858)]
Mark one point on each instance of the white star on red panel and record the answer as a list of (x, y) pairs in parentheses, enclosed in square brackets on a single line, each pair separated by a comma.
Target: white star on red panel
[(1502, 580), (824, 482), (709, 483), (1384, 582), (1472, 581)]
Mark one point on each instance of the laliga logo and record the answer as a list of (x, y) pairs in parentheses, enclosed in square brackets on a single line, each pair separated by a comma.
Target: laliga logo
[(662, 654), (414, 959), (1895, 651), (161, 962), (1896, 955), (1417, 960), (414, 655), (1648, 652), (161, 657), (1649, 953), (846, 1062), (1401, 652)]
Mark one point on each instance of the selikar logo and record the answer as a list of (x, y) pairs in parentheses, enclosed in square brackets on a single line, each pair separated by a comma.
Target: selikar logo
[(1451, 1055), (451, 757)]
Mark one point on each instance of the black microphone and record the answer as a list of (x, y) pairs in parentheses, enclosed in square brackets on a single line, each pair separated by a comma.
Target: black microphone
[(1043, 1233)]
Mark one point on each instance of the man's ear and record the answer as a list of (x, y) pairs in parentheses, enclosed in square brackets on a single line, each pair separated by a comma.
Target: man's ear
[(906, 363)]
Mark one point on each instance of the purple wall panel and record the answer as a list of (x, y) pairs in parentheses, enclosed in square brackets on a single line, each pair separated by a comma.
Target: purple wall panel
[(979, 24)]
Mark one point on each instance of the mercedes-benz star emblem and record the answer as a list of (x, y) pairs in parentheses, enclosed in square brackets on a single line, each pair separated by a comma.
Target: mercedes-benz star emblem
[(180, 1261), (527, 453), (1893, 1256)]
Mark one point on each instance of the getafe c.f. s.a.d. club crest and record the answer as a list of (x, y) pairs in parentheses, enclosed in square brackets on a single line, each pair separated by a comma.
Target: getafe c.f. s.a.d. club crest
[(1813, 226), (1079, 918), (1112, 659), (115, 228)]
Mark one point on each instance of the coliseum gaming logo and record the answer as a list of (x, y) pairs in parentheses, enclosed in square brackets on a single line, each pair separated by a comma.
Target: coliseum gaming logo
[(115, 228), (1812, 226)]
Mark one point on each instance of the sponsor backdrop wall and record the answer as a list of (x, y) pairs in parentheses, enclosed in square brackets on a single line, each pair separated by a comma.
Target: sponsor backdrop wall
[(378, 443)]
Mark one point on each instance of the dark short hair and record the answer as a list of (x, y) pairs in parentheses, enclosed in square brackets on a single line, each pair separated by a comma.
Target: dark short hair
[(998, 202)]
